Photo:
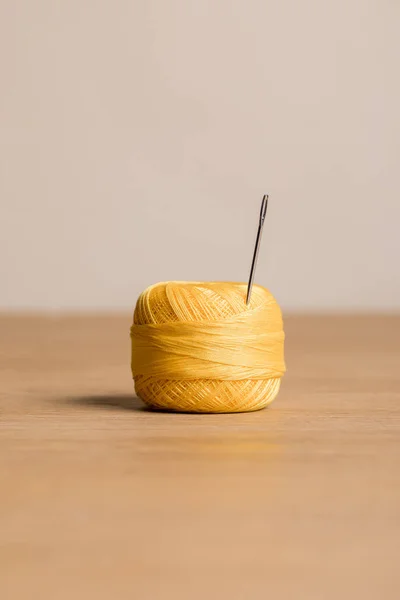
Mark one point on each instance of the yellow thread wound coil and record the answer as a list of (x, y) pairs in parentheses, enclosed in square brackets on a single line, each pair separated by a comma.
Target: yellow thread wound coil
[(197, 347)]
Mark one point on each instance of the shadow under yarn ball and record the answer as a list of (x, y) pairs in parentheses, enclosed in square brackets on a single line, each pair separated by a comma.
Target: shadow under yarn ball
[(197, 347)]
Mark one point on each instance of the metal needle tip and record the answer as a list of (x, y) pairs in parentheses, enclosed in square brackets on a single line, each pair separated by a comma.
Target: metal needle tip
[(263, 212)]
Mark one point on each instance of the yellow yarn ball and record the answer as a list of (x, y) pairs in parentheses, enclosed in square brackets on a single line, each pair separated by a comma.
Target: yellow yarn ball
[(197, 347)]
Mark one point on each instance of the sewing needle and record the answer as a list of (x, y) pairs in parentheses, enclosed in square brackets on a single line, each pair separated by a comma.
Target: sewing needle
[(263, 212)]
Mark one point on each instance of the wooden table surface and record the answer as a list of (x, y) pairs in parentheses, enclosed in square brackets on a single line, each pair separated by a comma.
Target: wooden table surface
[(102, 499)]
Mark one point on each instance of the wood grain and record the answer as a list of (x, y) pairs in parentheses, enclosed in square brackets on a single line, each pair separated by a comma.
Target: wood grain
[(102, 499)]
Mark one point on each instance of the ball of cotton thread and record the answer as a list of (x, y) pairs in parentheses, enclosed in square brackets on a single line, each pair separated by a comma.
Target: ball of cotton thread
[(197, 347)]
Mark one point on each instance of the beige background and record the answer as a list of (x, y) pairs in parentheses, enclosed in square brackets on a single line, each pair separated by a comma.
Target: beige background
[(137, 138)]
